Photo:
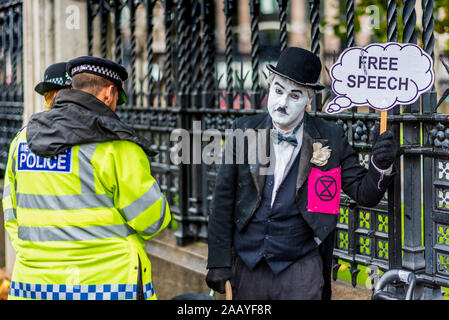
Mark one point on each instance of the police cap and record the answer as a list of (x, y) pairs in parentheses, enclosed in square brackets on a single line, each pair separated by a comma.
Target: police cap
[(55, 78), (104, 68)]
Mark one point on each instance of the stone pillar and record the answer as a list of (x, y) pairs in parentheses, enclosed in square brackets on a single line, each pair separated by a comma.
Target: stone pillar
[(53, 31)]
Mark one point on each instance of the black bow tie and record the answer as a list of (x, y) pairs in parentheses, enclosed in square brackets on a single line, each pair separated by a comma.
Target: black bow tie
[(290, 139), (278, 137)]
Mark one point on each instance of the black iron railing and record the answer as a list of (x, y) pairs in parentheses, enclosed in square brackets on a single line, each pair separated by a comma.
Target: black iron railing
[(11, 75), (197, 82)]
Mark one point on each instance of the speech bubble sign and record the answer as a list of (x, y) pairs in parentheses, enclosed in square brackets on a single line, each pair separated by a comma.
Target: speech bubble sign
[(380, 75)]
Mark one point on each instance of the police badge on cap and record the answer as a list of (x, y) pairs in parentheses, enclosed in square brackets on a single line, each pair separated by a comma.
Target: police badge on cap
[(105, 68)]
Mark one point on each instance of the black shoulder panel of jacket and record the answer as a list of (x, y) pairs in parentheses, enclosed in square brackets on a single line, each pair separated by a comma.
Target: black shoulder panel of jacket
[(78, 117)]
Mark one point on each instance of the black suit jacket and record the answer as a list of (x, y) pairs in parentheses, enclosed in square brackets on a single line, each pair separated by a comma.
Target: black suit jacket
[(238, 188)]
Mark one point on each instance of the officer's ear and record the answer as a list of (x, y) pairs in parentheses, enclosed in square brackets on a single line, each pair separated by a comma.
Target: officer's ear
[(110, 94)]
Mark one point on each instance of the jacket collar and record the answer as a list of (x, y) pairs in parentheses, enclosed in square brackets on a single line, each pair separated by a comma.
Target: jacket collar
[(77, 117), (310, 128), (311, 135), (83, 99), (256, 169)]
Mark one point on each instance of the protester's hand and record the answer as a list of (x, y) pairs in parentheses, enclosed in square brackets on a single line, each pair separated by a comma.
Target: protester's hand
[(384, 149), (216, 278)]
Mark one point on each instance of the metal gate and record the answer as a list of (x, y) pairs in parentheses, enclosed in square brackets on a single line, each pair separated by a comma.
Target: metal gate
[(178, 75), (11, 71)]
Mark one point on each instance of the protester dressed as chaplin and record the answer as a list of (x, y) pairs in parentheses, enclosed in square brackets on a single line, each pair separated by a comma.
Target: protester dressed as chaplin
[(271, 233)]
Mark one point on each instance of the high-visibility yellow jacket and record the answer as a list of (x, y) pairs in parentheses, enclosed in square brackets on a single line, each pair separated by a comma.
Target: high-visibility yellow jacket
[(78, 221)]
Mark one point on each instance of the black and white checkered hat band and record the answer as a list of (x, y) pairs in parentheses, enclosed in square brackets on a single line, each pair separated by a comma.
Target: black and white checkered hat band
[(95, 69), (57, 80)]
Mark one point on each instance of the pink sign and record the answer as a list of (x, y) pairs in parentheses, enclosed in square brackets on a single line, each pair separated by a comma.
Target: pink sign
[(324, 189)]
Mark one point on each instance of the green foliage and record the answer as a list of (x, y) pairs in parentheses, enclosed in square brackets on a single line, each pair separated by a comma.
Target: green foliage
[(442, 24), (379, 33)]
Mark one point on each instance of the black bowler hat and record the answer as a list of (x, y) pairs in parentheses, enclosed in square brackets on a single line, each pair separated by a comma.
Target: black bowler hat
[(300, 66), (55, 77), (104, 68)]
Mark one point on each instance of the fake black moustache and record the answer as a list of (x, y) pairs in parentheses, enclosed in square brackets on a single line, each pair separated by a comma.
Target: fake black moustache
[(281, 110)]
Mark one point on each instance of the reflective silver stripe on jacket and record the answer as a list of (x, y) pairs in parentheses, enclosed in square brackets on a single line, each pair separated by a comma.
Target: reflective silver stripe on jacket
[(139, 205), (74, 233), (7, 191), (63, 202), (157, 225), (10, 214), (86, 171)]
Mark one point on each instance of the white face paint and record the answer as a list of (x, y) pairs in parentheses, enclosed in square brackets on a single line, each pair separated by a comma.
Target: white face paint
[(286, 102)]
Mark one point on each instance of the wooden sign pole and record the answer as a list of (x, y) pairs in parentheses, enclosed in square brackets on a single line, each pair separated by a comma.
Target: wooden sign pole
[(383, 121)]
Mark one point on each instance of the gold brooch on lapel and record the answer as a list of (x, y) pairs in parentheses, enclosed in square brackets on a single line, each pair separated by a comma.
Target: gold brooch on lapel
[(320, 154)]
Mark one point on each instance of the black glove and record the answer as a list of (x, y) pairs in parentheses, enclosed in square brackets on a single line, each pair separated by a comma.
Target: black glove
[(217, 277), (384, 149)]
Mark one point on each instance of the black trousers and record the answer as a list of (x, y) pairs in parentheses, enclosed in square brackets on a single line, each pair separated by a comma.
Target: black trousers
[(302, 280)]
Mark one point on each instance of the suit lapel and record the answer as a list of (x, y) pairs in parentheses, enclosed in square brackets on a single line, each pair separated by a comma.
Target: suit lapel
[(310, 136), (257, 168), (304, 161)]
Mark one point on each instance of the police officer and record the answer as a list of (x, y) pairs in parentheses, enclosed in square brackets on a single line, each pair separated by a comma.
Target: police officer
[(55, 79), (79, 199)]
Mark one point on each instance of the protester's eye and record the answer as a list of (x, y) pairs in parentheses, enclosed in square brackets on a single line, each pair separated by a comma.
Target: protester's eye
[(278, 91), (294, 96)]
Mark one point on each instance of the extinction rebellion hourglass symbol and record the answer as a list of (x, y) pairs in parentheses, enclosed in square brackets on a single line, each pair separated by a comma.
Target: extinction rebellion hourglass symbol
[(326, 188)]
